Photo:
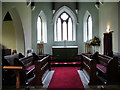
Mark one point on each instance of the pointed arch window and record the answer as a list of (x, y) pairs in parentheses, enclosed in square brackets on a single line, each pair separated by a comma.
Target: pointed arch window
[(64, 28), (41, 28), (87, 27)]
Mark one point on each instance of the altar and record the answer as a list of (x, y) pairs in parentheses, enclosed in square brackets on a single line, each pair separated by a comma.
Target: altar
[(65, 52)]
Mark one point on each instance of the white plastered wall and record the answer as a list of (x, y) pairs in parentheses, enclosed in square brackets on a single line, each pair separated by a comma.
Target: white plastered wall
[(108, 15), (24, 13)]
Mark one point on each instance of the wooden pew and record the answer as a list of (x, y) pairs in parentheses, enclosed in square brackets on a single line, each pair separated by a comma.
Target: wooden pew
[(16, 69), (42, 66), (9, 74), (89, 69), (26, 73), (117, 54), (107, 68)]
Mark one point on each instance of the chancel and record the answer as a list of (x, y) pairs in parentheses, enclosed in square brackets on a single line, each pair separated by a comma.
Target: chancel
[(60, 45)]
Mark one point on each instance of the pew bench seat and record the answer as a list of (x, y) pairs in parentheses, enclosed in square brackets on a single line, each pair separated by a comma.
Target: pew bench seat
[(101, 68), (107, 68)]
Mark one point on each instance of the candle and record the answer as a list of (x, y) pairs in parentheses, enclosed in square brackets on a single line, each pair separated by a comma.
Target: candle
[(108, 29)]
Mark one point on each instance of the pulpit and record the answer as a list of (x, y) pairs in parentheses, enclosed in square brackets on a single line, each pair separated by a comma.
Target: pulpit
[(108, 44)]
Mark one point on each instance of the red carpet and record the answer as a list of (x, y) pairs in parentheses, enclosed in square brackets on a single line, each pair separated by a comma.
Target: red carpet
[(66, 78), (65, 63)]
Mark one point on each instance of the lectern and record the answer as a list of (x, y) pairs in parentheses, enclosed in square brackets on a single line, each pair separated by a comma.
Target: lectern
[(40, 48)]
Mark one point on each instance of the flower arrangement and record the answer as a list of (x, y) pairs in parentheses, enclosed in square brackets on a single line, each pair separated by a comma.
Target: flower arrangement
[(95, 41), (14, 52)]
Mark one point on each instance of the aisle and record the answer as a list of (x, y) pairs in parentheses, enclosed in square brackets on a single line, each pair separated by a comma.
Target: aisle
[(66, 77)]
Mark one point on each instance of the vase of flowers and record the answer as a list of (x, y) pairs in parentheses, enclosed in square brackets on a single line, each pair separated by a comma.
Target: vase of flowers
[(95, 41)]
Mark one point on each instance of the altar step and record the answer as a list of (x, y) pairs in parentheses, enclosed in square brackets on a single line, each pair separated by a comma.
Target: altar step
[(67, 64)]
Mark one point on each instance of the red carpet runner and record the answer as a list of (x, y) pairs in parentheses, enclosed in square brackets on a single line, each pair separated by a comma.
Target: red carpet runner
[(66, 77)]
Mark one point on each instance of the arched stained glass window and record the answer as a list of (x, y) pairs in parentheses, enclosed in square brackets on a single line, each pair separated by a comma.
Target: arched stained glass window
[(64, 28), (64, 24)]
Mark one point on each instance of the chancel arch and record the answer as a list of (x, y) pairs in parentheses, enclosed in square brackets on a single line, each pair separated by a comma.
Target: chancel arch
[(19, 43)]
